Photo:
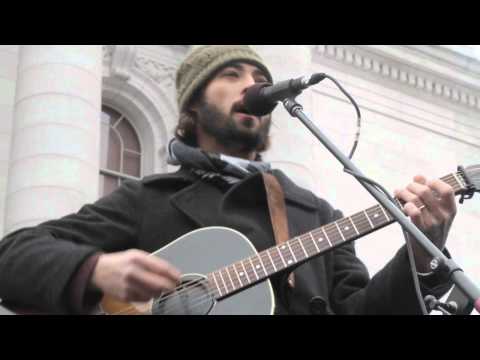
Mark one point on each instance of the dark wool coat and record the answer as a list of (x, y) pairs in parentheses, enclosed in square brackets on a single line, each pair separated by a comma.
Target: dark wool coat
[(37, 264)]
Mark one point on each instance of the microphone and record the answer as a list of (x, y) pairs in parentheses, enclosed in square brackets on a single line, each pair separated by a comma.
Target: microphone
[(261, 99)]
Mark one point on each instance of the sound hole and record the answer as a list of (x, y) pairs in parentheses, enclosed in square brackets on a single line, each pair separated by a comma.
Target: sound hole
[(191, 298)]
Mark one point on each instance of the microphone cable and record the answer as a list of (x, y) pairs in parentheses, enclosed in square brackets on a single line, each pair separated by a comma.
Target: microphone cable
[(357, 110)]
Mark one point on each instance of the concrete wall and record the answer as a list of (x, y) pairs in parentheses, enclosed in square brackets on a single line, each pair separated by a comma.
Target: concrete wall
[(8, 76)]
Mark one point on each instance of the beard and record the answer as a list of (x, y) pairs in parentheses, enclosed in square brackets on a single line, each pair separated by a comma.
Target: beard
[(225, 130)]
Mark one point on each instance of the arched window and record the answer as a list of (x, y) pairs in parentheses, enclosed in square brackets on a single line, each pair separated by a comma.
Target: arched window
[(121, 154)]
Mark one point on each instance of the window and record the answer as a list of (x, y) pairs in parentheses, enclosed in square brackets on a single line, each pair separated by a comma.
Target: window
[(121, 154)]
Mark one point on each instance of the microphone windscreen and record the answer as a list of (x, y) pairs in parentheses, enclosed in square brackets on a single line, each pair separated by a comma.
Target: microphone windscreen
[(255, 103)]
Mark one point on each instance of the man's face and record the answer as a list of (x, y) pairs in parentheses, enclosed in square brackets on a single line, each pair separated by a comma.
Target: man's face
[(222, 114)]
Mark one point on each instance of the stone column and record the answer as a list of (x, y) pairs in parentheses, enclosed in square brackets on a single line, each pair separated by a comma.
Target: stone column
[(291, 149), (54, 158)]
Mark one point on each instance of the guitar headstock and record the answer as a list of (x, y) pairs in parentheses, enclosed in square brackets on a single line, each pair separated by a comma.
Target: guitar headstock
[(471, 176)]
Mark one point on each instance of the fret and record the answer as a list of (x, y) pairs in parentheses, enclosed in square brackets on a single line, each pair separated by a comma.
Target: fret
[(296, 248), (460, 182), (353, 224), (303, 248), (368, 218), (286, 252), (250, 270), (347, 229), (291, 251), (220, 290), (271, 260), (376, 216), (236, 272), (224, 282), (212, 275), (314, 242), (321, 239), (333, 232), (281, 257), (245, 272), (339, 230), (253, 267), (261, 263), (361, 222), (385, 213), (326, 236), (211, 286), (232, 277)]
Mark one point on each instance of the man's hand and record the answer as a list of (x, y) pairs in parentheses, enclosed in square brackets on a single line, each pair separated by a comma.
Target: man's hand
[(431, 207), (134, 275)]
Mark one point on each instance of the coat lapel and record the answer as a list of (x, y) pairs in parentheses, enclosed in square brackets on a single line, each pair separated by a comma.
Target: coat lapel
[(188, 196), (195, 202)]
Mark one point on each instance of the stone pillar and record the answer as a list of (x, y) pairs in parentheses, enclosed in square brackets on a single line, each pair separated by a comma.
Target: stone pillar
[(8, 78), (291, 149), (54, 157)]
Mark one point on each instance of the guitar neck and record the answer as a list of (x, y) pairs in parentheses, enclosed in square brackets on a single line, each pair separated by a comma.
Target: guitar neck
[(248, 272)]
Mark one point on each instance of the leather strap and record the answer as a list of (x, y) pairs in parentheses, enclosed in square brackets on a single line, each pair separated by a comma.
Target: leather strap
[(278, 213)]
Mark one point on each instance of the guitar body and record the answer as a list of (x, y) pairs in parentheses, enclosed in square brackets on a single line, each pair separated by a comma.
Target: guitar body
[(196, 254)]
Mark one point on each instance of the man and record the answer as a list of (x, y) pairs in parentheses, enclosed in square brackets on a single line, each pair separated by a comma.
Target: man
[(66, 265)]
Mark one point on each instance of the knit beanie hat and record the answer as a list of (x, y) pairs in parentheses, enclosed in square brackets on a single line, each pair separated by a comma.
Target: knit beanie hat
[(204, 61)]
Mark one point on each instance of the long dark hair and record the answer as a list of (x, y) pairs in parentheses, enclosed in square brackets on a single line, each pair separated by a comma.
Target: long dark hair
[(186, 128)]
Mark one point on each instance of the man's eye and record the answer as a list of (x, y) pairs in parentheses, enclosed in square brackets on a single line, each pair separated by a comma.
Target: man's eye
[(231, 73)]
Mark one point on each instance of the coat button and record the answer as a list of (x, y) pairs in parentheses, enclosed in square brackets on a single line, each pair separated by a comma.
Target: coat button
[(318, 306)]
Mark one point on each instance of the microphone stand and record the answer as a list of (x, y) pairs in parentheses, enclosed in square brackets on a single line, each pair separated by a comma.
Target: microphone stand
[(440, 262)]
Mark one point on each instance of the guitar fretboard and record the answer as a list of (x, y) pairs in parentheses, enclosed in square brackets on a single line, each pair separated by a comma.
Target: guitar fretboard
[(248, 272)]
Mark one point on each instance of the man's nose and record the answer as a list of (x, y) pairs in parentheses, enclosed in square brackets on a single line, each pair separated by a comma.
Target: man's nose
[(249, 82)]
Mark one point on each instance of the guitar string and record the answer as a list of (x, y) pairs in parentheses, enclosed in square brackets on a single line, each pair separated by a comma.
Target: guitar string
[(295, 241)]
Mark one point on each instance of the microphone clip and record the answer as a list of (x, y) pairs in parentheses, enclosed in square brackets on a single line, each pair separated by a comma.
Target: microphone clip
[(292, 106)]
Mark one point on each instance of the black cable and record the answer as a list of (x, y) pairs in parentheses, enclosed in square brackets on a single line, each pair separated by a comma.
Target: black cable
[(357, 109)]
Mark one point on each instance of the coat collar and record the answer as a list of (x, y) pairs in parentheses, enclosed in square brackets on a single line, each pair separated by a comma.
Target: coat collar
[(181, 176)]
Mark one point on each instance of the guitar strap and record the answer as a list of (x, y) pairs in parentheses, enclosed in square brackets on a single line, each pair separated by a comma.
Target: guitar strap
[(278, 213)]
